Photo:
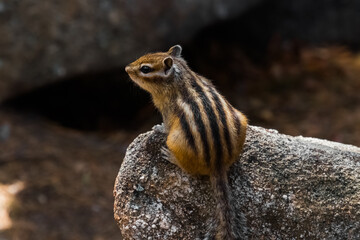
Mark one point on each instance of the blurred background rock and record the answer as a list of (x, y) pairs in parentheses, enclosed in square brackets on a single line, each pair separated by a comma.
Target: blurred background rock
[(68, 110)]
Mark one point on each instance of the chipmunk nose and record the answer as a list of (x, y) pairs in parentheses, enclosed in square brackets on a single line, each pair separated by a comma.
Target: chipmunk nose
[(127, 69)]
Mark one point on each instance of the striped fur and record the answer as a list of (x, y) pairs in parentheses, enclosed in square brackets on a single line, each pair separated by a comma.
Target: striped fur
[(205, 134)]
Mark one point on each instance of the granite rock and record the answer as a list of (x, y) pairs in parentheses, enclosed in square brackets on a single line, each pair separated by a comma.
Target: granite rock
[(283, 187)]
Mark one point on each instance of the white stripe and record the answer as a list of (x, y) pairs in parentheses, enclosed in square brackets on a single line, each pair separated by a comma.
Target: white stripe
[(191, 121)]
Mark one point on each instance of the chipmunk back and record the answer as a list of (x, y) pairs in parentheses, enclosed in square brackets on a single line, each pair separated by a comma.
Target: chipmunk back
[(205, 134)]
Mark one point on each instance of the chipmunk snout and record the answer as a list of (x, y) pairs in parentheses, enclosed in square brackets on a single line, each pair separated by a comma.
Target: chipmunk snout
[(127, 69)]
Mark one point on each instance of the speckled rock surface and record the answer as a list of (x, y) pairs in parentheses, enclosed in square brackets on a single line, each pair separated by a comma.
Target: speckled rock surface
[(284, 187), (45, 41)]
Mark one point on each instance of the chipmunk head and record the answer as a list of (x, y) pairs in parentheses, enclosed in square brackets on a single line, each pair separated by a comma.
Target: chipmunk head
[(154, 71)]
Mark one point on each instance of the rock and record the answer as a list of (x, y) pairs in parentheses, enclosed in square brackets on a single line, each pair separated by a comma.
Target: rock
[(54, 179), (43, 42), (322, 22), (283, 187)]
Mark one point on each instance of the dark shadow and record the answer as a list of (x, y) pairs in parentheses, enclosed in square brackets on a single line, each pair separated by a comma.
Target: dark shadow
[(96, 101)]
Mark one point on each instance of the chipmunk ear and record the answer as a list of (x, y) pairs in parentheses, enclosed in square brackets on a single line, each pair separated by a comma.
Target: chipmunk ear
[(175, 51), (168, 63)]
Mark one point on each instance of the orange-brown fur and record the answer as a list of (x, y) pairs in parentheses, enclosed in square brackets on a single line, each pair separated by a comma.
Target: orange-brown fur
[(205, 134)]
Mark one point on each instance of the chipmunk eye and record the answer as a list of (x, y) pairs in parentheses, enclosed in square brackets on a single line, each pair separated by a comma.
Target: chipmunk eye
[(145, 69)]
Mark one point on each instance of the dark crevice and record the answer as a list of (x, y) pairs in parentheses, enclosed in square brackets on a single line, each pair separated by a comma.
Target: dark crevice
[(100, 101)]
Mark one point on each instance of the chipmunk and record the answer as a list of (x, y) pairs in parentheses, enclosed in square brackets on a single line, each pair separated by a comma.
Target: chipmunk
[(205, 134)]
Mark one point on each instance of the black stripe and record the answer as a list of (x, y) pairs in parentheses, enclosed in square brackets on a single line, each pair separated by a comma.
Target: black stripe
[(212, 119), (186, 128), (220, 109), (198, 121)]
